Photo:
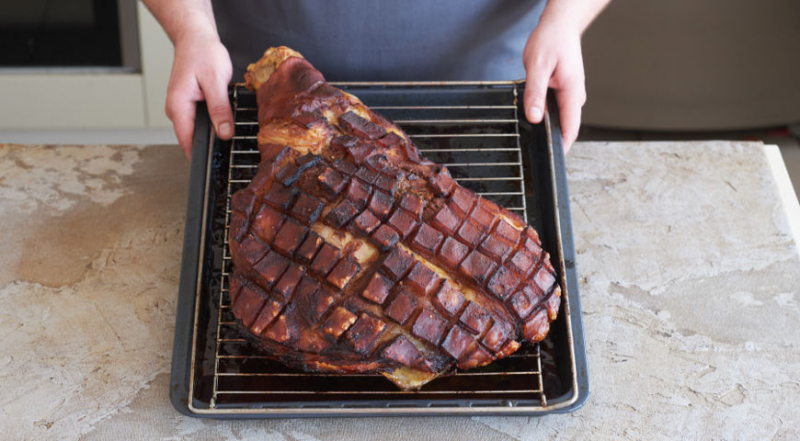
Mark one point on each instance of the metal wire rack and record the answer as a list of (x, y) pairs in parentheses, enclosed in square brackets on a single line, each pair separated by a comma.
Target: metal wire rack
[(479, 141)]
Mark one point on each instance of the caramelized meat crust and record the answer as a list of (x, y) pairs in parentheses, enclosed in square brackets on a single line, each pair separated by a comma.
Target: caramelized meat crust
[(352, 253)]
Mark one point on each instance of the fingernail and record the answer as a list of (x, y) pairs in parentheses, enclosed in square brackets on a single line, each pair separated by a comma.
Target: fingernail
[(224, 130), (536, 114)]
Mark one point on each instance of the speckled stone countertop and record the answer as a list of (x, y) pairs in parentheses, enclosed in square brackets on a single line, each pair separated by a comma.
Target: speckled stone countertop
[(688, 264)]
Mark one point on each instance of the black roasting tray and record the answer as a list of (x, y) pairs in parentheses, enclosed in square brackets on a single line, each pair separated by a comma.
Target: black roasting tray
[(480, 129)]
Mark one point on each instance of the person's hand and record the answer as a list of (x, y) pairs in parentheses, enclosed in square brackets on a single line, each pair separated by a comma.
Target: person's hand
[(201, 70), (552, 58)]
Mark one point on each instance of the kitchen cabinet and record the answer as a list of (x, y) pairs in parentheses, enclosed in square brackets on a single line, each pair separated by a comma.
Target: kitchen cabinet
[(93, 98), (693, 65)]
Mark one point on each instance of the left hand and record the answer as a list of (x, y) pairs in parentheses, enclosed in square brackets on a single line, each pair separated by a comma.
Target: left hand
[(552, 58)]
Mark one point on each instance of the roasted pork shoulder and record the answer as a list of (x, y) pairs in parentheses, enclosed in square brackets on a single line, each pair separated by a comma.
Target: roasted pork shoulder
[(352, 253)]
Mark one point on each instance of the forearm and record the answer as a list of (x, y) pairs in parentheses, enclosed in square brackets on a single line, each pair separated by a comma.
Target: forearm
[(577, 14), (181, 18)]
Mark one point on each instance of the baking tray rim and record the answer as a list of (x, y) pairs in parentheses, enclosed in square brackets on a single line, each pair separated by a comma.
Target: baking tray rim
[(565, 403)]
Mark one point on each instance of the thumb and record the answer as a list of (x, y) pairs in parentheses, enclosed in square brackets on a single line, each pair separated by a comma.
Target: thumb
[(219, 108), (537, 79)]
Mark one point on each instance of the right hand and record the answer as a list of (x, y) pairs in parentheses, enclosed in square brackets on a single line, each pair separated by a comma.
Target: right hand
[(201, 70)]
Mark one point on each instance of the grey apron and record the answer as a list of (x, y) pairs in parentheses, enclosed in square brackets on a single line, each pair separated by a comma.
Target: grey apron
[(389, 40)]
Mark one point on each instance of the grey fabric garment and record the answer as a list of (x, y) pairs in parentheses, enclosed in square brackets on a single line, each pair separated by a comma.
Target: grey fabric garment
[(385, 40)]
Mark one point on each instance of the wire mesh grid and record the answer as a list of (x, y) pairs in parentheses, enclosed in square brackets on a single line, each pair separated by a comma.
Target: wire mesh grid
[(479, 141)]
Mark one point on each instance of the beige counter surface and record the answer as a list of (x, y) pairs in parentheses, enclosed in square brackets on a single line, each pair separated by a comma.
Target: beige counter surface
[(689, 276)]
